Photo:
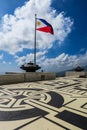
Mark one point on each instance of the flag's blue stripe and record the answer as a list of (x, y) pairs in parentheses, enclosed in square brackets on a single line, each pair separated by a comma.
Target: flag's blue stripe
[(45, 22)]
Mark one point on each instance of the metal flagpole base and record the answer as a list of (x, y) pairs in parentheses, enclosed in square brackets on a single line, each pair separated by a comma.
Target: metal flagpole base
[(30, 67)]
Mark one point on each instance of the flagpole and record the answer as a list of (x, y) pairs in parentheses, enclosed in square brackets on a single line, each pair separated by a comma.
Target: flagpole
[(35, 40)]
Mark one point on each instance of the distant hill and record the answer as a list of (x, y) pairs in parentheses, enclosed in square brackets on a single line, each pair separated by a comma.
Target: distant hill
[(62, 73), (85, 67)]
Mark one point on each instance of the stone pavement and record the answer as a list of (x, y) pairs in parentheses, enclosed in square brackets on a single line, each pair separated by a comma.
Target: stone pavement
[(59, 104)]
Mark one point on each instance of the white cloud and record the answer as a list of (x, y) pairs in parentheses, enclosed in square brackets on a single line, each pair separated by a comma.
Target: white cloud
[(82, 49), (4, 62), (9, 63), (17, 31), (28, 58), (59, 63), (1, 56)]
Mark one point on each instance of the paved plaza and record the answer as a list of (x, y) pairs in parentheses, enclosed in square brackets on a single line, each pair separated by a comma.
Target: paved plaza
[(59, 104)]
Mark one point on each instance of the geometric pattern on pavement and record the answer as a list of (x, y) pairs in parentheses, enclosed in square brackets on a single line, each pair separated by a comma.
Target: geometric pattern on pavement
[(44, 105)]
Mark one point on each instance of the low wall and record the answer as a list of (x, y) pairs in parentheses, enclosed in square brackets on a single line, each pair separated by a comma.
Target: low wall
[(11, 78), (76, 74), (26, 77), (31, 76)]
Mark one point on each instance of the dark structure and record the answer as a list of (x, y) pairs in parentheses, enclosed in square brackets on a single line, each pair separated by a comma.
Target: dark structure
[(32, 67), (79, 69)]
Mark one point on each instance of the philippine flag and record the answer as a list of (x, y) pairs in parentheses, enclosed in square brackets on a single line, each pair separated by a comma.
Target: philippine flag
[(44, 26)]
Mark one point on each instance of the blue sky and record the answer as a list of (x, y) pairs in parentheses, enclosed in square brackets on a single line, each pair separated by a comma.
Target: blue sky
[(66, 49)]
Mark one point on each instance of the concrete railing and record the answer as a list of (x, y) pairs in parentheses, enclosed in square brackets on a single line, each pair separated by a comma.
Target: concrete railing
[(76, 74), (26, 77), (11, 78)]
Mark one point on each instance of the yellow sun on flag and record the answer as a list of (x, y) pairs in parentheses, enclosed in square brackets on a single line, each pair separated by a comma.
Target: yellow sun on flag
[(38, 23)]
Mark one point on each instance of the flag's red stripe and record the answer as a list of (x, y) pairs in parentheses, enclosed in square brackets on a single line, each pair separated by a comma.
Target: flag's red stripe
[(47, 29)]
